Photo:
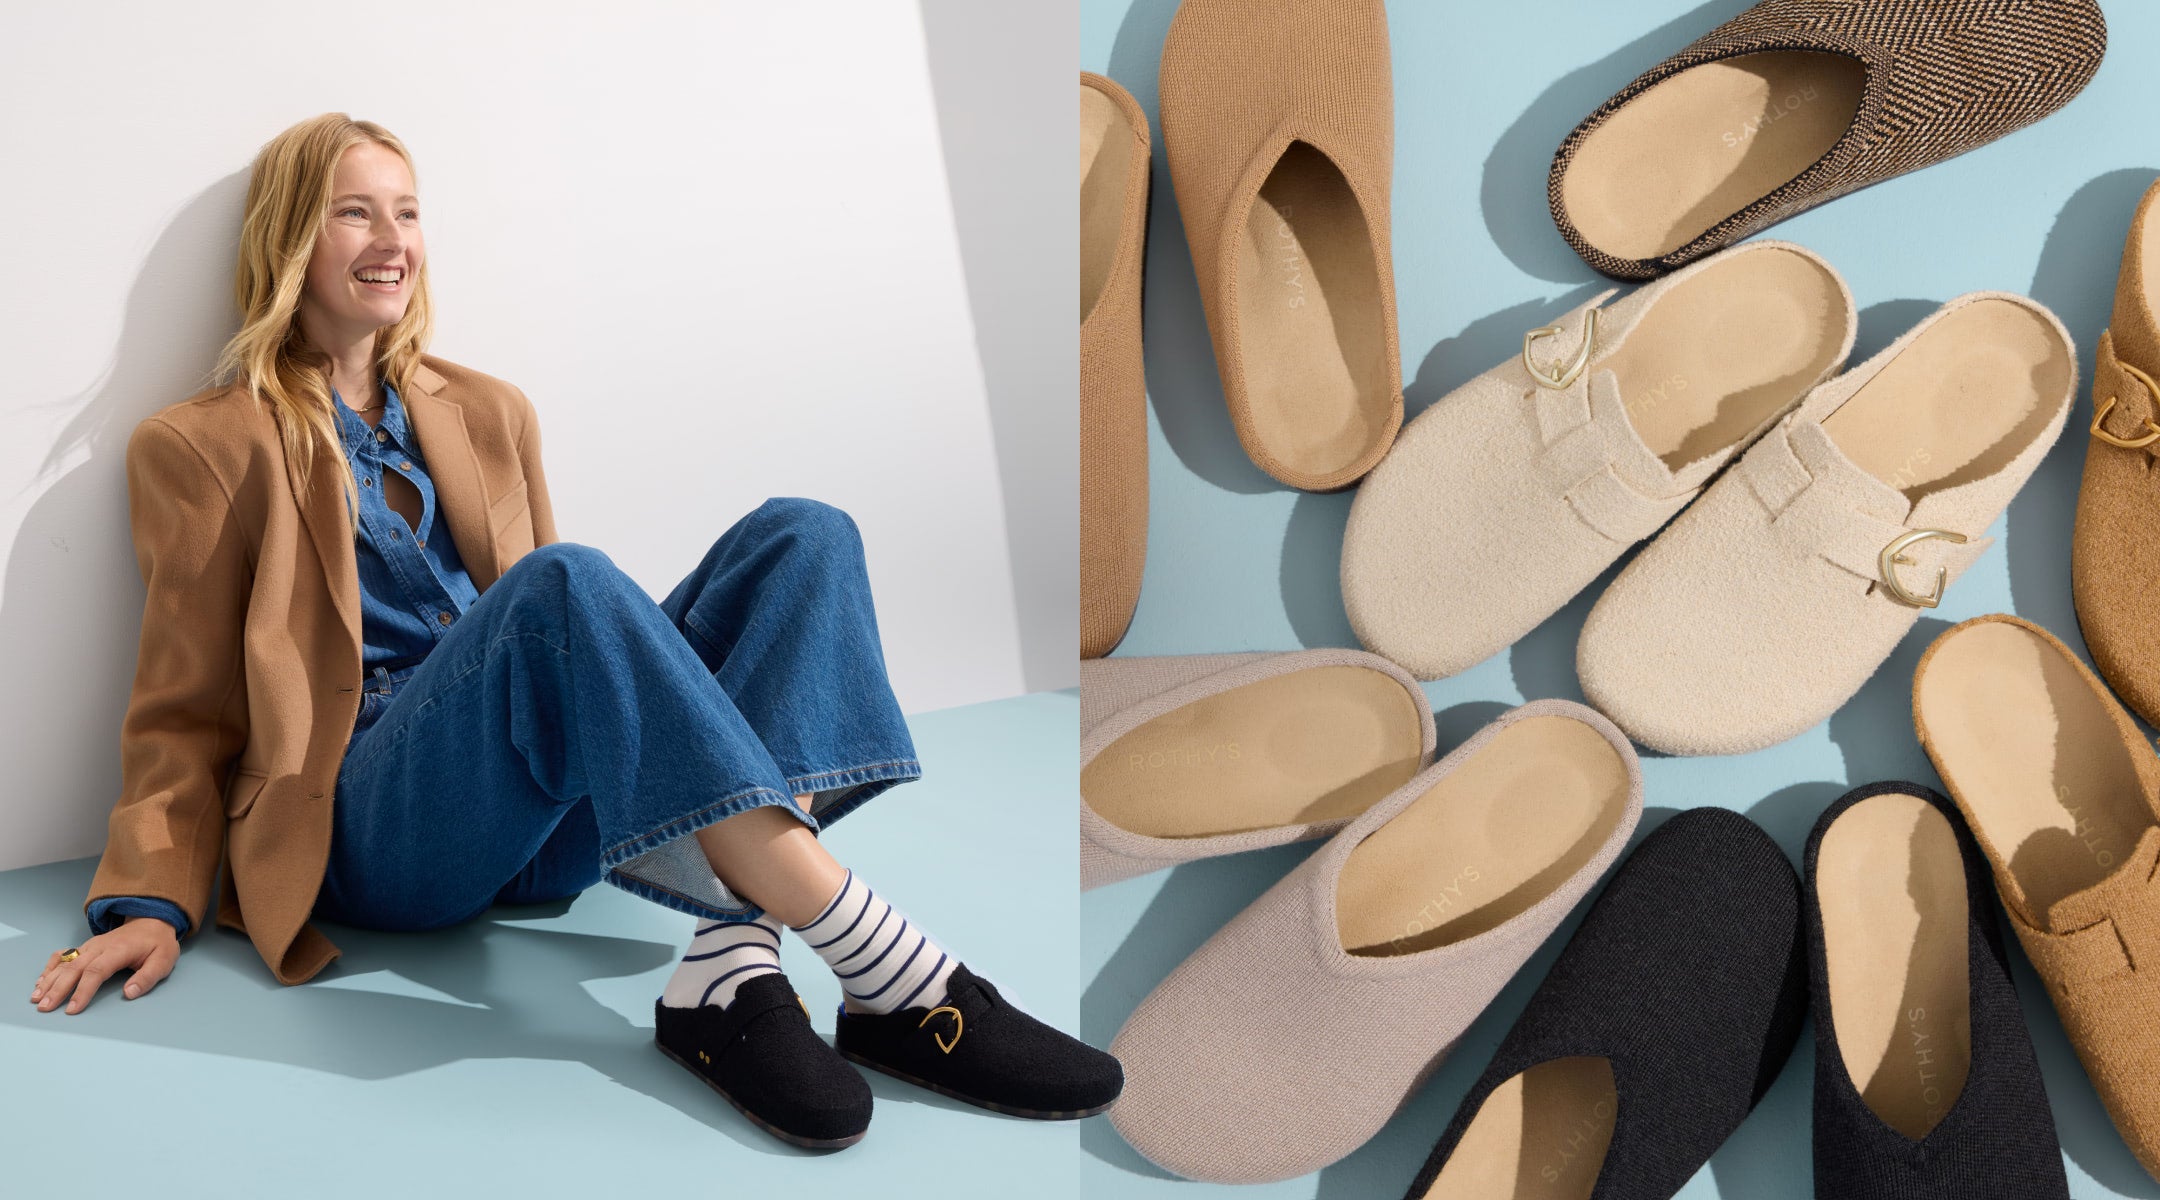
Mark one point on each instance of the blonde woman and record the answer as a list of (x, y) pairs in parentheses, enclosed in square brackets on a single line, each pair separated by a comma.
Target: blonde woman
[(376, 688)]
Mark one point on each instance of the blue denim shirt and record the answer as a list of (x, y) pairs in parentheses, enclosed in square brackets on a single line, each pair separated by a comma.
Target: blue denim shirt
[(413, 589)]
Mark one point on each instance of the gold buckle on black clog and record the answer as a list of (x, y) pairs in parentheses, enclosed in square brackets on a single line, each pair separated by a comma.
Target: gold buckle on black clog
[(958, 1026)]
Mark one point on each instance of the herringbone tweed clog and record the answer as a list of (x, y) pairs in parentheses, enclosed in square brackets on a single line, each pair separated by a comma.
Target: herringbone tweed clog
[(1795, 102)]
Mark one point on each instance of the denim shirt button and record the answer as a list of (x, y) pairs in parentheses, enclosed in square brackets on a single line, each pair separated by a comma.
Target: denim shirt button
[(443, 617)]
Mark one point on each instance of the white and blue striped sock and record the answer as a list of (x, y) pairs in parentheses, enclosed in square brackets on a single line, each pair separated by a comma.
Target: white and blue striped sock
[(883, 961), (723, 956)]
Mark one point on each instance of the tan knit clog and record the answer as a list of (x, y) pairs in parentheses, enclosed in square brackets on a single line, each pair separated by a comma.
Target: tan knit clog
[(1113, 379), (1516, 490), (2063, 795), (1279, 120), (1774, 597), (1188, 757), (1293, 1034), (2115, 549)]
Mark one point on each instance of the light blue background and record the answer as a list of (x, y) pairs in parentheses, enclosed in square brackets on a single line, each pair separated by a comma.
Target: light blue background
[(1483, 95), (513, 1055)]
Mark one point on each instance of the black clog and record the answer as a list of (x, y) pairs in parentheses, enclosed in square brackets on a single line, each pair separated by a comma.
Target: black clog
[(975, 1046), (761, 1054), (1660, 1026), (1926, 1085)]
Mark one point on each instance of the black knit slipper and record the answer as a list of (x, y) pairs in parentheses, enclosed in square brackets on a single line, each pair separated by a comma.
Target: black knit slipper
[(975, 1046), (1926, 1086), (761, 1054), (1661, 1024)]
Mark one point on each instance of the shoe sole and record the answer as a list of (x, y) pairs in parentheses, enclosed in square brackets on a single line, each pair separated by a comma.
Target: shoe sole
[(1033, 1114), (796, 1139)]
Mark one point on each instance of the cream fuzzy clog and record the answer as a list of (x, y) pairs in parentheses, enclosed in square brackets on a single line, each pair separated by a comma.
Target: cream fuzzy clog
[(1776, 595), (1516, 490)]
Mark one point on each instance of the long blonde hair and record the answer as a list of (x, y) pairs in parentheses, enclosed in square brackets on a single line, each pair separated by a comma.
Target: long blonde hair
[(288, 201)]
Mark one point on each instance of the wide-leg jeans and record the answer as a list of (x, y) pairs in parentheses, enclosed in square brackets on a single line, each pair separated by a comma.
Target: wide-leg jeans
[(569, 729)]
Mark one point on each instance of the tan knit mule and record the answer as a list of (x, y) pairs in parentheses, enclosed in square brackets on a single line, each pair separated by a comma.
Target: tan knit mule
[(2115, 551), (1279, 120), (1771, 600), (1113, 379), (2063, 794), (1795, 102), (1193, 756), (1295, 1032)]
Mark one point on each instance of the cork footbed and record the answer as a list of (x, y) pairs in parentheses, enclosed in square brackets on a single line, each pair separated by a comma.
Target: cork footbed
[(1701, 145), (1311, 745), (2036, 759), (1106, 150), (1311, 331), (1891, 884), (1724, 349), (1541, 1135), (1492, 837), (1958, 402)]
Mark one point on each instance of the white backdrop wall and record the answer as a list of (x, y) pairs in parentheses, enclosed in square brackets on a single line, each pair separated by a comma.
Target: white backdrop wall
[(715, 243)]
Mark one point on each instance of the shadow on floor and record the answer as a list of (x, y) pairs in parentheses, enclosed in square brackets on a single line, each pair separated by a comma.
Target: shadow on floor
[(503, 986)]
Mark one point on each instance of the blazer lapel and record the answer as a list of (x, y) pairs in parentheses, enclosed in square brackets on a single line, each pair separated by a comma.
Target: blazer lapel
[(454, 469), (322, 510)]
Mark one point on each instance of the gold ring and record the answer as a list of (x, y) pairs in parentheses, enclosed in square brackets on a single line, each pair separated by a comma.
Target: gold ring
[(70, 954)]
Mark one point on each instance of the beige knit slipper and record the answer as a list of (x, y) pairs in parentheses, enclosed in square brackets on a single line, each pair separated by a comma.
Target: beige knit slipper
[(2063, 795), (2115, 550), (1516, 490), (1293, 1034), (1113, 378), (1189, 757), (1279, 119), (1776, 595)]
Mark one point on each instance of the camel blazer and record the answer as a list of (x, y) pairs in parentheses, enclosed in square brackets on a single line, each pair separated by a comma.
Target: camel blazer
[(247, 681)]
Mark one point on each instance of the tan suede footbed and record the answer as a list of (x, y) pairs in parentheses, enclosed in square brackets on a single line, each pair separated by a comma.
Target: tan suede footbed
[(1961, 401), (1891, 884), (1256, 756), (1704, 144), (1541, 1135), (1106, 147), (1312, 335), (2040, 763), (1723, 349), (1494, 836)]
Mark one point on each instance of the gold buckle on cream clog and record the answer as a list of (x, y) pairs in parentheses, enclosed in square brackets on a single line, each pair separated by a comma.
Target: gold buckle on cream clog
[(1562, 376), (1893, 556)]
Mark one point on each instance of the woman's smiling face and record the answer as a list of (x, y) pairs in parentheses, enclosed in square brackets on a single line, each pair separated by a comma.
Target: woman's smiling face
[(360, 276)]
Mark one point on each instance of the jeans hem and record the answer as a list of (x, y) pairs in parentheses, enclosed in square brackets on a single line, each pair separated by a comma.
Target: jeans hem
[(856, 785), (741, 802)]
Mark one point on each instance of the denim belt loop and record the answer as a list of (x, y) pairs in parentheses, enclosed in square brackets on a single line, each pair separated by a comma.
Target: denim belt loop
[(382, 681)]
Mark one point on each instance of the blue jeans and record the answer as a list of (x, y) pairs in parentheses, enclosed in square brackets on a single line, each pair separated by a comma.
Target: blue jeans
[(570, 730)]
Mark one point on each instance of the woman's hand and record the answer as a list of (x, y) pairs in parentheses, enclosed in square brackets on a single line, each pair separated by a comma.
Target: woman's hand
[(147, 944)]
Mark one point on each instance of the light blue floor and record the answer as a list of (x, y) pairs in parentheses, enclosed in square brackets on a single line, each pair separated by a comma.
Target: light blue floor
[(513, 1056), (1483, 94)]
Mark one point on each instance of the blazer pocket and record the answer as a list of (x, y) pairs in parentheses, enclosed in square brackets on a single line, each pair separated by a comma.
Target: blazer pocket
[(241, 791)]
